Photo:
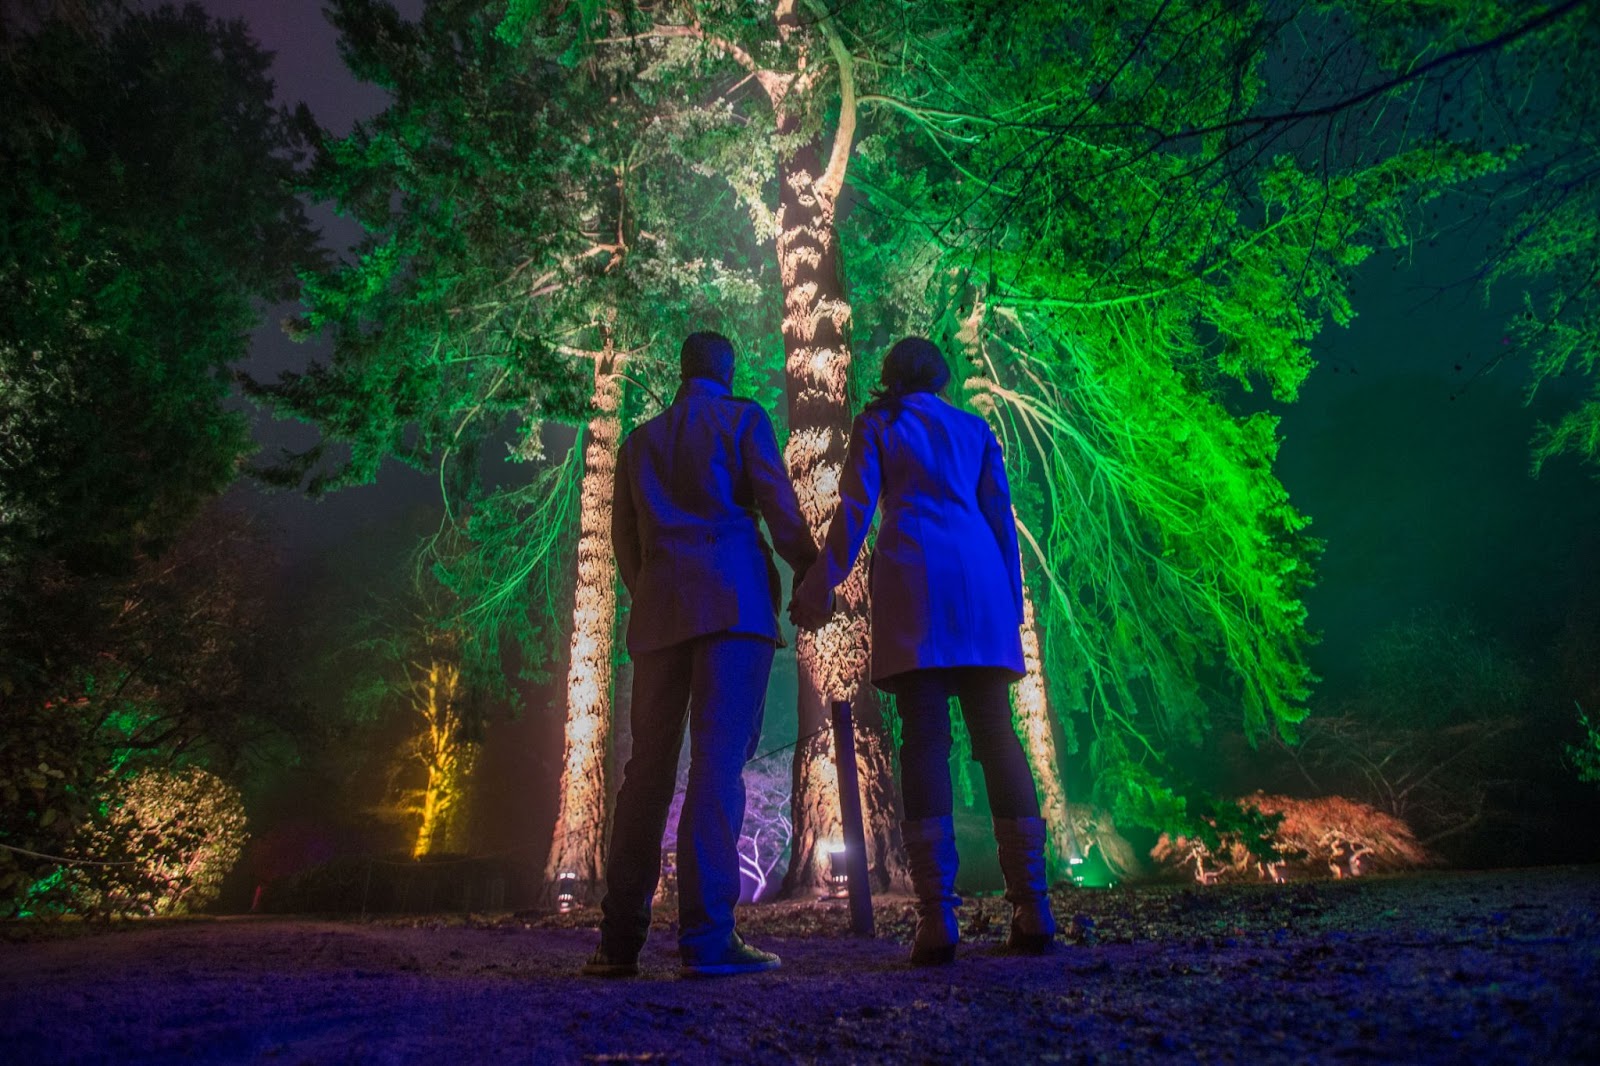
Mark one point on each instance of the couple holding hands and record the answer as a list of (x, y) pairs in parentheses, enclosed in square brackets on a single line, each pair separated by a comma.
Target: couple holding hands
[(692, 485)]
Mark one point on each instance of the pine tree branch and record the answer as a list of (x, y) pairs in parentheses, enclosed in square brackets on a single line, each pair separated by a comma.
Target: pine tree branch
[(1533, 25)]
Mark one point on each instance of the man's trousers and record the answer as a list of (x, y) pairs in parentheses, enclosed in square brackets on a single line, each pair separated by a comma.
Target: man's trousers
[(719, 684)]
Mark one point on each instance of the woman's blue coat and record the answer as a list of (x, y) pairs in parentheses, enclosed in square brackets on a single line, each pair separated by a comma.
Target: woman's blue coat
[(946, 577)]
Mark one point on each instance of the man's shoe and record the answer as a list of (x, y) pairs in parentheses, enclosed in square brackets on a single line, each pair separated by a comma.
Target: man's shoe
[(601, 964), (739, 958)]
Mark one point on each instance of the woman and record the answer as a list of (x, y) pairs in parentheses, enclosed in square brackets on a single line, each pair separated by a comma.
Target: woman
[(946, 584)]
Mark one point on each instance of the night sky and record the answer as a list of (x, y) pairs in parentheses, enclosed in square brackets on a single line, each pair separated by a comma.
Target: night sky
[(307, 68), (1409, 445)]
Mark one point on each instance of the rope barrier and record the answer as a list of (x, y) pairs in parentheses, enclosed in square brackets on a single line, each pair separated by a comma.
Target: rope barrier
[(792, 743), (65, 861)]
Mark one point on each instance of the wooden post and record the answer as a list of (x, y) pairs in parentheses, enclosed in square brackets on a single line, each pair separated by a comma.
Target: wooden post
[(855, 839)]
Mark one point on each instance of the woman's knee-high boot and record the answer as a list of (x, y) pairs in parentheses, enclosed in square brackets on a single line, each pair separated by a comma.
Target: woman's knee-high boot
[(1020, 842), (931, 847)]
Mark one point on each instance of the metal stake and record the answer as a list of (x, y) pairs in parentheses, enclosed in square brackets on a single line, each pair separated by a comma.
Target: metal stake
[(855, 839)]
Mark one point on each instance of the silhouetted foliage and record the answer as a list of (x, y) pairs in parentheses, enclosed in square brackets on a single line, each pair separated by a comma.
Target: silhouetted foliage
[(168, 667), (1441, 733), (148, 202)]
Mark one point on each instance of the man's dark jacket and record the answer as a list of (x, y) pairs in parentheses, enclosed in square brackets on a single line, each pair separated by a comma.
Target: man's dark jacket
[(690, 484)]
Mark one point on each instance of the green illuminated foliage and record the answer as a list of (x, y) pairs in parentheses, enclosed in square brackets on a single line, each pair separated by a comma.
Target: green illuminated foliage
[(162, 845), (513, 221), (1526, 79), (1127, 274), (1585, 755), (1149, 211)]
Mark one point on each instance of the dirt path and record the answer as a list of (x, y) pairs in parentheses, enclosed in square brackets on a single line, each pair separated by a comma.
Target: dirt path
[(1481, 968)]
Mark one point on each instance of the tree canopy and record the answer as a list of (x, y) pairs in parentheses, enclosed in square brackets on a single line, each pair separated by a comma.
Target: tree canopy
[(512, 222), (1126, 220)]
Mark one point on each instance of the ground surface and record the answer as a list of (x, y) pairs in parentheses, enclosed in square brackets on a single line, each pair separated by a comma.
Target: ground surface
[(1481, 968)]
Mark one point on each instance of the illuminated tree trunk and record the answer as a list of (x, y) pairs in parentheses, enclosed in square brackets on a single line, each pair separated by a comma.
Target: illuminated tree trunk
[(1039, 743), (447, 759), (832, 661), (1031, 699), (816, 340), (583, 811)]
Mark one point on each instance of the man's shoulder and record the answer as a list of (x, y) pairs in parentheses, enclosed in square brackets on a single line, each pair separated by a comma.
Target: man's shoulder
[(742, 410), (726, 410)]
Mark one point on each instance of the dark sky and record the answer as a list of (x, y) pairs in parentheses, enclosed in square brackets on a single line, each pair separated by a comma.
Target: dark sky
[(307, 68), (1416, 472)]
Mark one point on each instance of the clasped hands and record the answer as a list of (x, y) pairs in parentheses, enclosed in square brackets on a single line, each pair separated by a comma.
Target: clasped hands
[(807, 610)]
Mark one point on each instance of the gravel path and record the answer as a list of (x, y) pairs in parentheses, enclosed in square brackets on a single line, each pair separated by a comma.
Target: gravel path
[(1481, 968)]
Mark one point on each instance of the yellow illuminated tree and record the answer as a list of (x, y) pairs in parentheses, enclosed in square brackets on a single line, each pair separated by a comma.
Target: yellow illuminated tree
[(446, 756)]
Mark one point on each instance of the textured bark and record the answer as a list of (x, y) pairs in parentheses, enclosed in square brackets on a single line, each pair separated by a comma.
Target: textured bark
[(833, 660), (583, 810), (1031, 700), (815, 813), (1036, 730), (816, 337), (458, 823)]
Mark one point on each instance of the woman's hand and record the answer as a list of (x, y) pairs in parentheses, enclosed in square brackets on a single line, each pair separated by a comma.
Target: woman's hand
[(807, 608)]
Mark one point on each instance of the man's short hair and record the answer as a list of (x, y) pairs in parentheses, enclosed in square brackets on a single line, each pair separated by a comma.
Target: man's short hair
[(707, 355)]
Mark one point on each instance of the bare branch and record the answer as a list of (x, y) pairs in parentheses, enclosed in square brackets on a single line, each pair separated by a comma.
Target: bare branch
[(1533, 25), (843, 137)]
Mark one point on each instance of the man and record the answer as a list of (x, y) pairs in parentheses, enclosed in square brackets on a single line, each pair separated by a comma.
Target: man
[(689, 486)]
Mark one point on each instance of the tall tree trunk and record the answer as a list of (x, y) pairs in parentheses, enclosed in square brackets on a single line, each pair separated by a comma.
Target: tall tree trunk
[(1039, 743), (1031, 699), (832, 661), (583, 809), (816, 340)]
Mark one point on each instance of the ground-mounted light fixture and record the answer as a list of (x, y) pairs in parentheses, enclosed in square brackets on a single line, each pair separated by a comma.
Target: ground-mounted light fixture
[(838, 872), (1090, 869), (567, 892)]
